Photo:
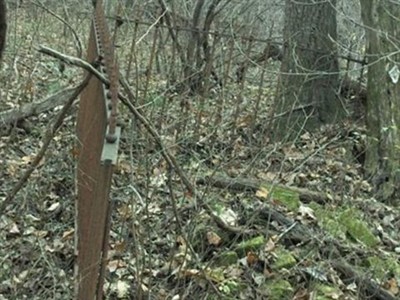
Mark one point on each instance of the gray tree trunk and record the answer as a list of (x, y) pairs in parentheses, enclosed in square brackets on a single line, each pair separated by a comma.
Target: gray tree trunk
[(307, 91), (3, 26), (381, 19)]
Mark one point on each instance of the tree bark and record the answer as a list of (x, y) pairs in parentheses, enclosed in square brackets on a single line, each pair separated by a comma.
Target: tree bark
[(307, 90), (3, 26), (383, 103)]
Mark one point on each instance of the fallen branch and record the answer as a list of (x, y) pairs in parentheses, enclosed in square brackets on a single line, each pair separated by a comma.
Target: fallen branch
[(253, 185), (368, 288), (14, 115)]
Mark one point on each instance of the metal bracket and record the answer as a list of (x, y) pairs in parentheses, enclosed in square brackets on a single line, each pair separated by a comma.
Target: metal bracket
[(110, 150)]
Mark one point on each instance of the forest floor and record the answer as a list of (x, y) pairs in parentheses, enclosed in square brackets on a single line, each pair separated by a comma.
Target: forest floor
[(301, 220), (289, 221)]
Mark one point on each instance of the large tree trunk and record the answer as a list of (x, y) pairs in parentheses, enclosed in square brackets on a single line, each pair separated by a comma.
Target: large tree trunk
[(383, 103), (307, 92)]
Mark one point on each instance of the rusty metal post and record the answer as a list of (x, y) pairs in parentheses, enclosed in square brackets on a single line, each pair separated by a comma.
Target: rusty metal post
[(97, 155)]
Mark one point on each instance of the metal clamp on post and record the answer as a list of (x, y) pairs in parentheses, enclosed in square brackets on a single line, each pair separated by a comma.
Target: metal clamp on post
[(112, 133), (110, 150)]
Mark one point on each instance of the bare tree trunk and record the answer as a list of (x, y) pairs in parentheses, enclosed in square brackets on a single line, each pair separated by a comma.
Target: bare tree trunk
[(3, 26), (383, 103), (307, 89), (192, 74)]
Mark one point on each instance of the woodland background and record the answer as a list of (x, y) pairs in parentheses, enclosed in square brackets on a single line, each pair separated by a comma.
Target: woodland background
[(308, 211)]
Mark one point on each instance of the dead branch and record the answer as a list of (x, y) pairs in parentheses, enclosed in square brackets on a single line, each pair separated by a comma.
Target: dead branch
[(252, 185), (70, 60), (368, 288), (14, 115)]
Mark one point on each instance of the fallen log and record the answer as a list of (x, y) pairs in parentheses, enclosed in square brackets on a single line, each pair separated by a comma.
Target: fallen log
[(253, 185), (12, 116), (368, 288)]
